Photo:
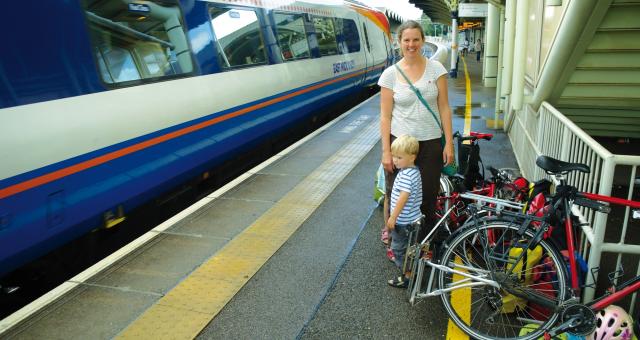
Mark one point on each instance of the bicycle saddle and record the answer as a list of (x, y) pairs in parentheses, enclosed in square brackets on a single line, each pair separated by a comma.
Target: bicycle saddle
[(555, 166)]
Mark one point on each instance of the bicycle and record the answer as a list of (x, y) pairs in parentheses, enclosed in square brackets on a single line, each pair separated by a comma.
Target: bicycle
[(503, 183), (492, 260)]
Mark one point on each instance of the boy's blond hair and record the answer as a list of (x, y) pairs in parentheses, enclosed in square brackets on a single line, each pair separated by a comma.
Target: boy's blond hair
[(406, 144)]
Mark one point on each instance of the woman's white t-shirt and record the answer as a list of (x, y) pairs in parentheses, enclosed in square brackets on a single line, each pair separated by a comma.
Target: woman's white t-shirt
[(409, 115)]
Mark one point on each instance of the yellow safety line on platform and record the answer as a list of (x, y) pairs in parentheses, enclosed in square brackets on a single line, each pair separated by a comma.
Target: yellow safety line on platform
[(467, 105), (461, 303), (461, 298), (187, 309)]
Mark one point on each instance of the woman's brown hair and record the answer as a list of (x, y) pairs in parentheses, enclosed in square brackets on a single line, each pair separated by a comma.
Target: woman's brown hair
[(410, 24)]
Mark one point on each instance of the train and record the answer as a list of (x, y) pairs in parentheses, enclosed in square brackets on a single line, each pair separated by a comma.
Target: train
[(107, 104)]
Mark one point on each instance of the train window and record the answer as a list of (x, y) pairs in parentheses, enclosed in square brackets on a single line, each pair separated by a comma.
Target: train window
[(238, 37), (137, 41), (292, 36), (347, 33), (326, 34)]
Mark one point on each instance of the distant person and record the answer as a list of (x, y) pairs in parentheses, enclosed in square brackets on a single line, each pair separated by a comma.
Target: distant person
[(478, 48), (406, 198), (465, 47)]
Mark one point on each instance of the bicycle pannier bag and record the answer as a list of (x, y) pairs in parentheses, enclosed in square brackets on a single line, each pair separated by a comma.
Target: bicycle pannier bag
[(524, 268)]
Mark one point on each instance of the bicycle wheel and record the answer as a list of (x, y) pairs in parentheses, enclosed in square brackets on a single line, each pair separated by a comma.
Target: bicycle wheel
[(493, 251)]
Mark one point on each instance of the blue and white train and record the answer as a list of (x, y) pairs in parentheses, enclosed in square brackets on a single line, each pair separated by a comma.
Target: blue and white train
[(106, 104)]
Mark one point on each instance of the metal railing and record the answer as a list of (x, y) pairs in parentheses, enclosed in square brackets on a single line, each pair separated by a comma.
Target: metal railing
[(549, 132)]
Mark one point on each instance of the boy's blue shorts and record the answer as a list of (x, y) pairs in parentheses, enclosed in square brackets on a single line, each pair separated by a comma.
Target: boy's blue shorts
[(399, 239)]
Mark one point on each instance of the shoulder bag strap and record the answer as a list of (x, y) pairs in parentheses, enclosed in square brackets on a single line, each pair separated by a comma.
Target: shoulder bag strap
[(417, 92)]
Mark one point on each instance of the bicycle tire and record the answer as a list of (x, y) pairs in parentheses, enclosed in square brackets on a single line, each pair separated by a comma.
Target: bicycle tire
[(488, 303)]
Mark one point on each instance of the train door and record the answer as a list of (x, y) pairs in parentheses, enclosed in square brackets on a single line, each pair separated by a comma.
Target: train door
[(367, 50), (388, 50), (377, 51)]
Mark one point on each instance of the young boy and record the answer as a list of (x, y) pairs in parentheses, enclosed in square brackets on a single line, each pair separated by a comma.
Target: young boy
[(406, 198)]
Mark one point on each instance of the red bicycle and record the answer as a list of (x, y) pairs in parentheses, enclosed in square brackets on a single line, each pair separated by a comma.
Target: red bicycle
[(519, 285), (504, 183)]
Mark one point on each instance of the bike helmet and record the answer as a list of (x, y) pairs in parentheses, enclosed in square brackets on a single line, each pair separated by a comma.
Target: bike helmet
[(612, 323)]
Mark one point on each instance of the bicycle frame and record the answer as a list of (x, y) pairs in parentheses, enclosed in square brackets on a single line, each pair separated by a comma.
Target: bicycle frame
[(471, 280), (568, 225), (627, 287)]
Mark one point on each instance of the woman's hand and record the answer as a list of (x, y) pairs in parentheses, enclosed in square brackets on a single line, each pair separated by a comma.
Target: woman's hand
[(387, 161), (447, 154)]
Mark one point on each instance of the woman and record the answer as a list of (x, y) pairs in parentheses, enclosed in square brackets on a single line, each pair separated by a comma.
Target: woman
[(401, 112)]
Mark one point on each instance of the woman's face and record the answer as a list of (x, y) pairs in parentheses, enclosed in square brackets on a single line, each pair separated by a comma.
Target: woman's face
[(411, 42)]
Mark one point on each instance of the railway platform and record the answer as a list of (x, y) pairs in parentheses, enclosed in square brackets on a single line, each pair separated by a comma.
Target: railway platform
[(288, 250)]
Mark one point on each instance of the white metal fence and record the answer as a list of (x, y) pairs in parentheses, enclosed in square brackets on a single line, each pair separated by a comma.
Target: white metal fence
[(549, 132)]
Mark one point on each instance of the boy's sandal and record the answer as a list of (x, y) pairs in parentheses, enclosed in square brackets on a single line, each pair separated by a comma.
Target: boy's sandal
[(399, 282)]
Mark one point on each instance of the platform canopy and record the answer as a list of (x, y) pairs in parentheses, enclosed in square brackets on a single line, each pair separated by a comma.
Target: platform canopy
[(398, 10), (439, 11)]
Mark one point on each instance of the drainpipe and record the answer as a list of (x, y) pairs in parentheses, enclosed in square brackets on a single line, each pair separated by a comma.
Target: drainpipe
[(519, 55), (566, 45), (509, 30), (492, 35), (507, 62), (499, 98)]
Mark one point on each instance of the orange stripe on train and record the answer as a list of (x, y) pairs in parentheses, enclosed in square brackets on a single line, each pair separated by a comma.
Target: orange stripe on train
[(70, 170)]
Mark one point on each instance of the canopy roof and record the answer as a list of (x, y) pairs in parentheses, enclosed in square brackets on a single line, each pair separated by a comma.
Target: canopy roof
[(439, 11)]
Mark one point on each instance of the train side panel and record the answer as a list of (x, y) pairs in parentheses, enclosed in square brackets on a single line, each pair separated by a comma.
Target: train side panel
[(93, 149)]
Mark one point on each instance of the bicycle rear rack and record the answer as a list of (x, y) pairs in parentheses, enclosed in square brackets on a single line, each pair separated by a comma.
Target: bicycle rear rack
[(498, 204)]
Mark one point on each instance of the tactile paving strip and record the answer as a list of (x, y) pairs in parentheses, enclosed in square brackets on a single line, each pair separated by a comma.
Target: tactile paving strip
[(184, 311)]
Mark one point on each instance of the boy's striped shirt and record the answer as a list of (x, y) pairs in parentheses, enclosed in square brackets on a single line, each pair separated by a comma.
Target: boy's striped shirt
[(408, 180)]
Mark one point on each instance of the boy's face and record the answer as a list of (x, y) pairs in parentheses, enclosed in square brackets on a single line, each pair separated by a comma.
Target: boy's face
[(403, 160)]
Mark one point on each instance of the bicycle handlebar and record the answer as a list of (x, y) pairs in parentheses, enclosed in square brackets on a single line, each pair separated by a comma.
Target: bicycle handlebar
[(480, 135), (495, 172), (499, 174), (473, 136)]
